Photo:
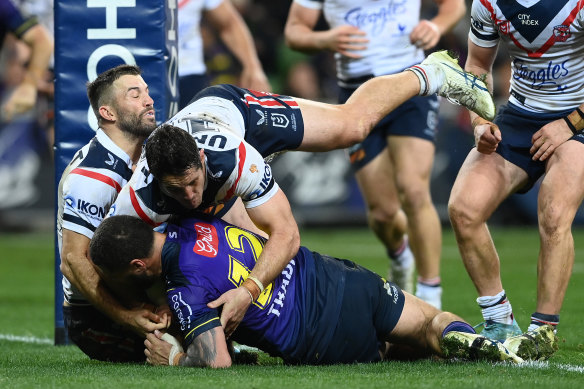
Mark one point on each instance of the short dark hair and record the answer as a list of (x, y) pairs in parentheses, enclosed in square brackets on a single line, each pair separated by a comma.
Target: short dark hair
[(171, 150), (118, 240), (99, 90)]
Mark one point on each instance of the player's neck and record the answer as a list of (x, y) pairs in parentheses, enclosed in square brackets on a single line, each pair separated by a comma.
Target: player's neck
[(131, 145)]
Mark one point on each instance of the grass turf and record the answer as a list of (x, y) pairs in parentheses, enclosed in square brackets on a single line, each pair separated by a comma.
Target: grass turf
[(26, 298)]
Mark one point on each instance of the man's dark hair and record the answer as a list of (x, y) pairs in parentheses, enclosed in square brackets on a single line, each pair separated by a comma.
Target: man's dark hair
[(171, 151), (118, 240), (99, 91)]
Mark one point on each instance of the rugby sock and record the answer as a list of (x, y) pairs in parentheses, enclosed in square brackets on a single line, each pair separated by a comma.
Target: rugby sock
[(431, 77), (496, 308), (403, 255), (430, 291), (540, 319), (458, 326)]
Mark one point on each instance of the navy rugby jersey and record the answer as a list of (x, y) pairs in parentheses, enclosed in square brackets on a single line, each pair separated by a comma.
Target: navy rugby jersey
[(293, 318)]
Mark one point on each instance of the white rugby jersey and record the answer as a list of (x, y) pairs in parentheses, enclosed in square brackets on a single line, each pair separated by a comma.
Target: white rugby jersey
[(545, 40), (88, 187), (190, 53), (233, 169), (388, 25)]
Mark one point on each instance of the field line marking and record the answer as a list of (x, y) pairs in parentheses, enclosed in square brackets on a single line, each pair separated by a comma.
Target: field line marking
[(25, 339), (548, 365)]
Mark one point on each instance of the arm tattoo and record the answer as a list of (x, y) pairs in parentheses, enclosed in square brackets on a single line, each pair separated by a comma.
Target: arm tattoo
[(202, 351)]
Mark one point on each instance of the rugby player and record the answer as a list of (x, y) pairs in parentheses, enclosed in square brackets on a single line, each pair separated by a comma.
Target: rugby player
[(538, 133), (103, 327), (319, 310), (393, 164), (242, 126)]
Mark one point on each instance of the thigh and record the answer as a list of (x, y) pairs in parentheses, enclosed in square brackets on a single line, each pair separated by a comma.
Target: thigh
[(484, 181), (376, 181), (100, 337), (561, 189), (412, 159)]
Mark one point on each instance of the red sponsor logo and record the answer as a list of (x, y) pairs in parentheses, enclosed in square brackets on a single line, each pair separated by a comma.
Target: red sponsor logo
[(207, 241)]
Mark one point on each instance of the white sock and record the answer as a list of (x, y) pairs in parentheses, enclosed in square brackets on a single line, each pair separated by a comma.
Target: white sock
[(496, 308), (430, 76), (403, 256)]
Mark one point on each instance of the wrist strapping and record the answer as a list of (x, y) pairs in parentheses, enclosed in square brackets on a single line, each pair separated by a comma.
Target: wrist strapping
[(253, 289), (176, 347), (575, 121), (258, 283)]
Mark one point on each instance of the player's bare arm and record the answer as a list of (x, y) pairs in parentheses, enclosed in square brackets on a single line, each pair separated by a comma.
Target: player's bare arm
[(276, 219), (209, 349), (80, 272), (300, 35), (428, 32), (237, 37), (480, 61), (553, 134)]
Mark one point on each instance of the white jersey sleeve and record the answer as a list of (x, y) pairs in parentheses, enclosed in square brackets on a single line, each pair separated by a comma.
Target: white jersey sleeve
[(483, 31)]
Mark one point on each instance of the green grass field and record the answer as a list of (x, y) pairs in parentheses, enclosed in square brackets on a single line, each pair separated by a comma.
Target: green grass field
[(28, 358)]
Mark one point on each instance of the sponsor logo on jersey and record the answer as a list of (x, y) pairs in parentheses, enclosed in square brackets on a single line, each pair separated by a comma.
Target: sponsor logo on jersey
[(562, 33), (85, 207), (541, 77), (526, 19), (253, 168), (278, 302), (267, 177), (177, 303), (207, 241), (391, 291)]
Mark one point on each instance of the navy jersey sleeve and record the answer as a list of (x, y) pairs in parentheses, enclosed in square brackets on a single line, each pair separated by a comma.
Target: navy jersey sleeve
[(189, 305)]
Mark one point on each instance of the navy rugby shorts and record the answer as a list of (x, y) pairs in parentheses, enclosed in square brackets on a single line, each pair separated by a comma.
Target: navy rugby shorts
[(405, 120), (517, 128), (101, 338), (273, 122), (370, 309)]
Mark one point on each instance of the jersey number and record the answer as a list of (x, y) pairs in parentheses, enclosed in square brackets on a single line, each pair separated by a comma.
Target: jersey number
[(238, 272)]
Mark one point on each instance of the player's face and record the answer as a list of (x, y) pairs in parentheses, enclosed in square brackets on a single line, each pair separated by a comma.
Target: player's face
[(186, 188), (133, 106)]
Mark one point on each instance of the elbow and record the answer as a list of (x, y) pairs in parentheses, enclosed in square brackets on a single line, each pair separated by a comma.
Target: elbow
[(294, 242)]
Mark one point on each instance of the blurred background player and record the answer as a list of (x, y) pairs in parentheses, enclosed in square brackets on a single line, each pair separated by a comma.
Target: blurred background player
[(26, 29), (224, 18), (394, 163), (537, 133), (27, 47)]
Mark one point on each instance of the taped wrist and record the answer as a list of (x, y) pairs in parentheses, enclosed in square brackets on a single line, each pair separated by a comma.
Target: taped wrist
[(252, 288), (575, 121), (175, 350)]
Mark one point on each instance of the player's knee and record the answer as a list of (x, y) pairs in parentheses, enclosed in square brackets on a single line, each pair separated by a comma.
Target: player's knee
[(461, 216)]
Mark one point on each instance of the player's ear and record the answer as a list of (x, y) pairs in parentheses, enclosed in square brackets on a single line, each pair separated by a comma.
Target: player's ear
[(202, 155), (107, 113), (138, 265)]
